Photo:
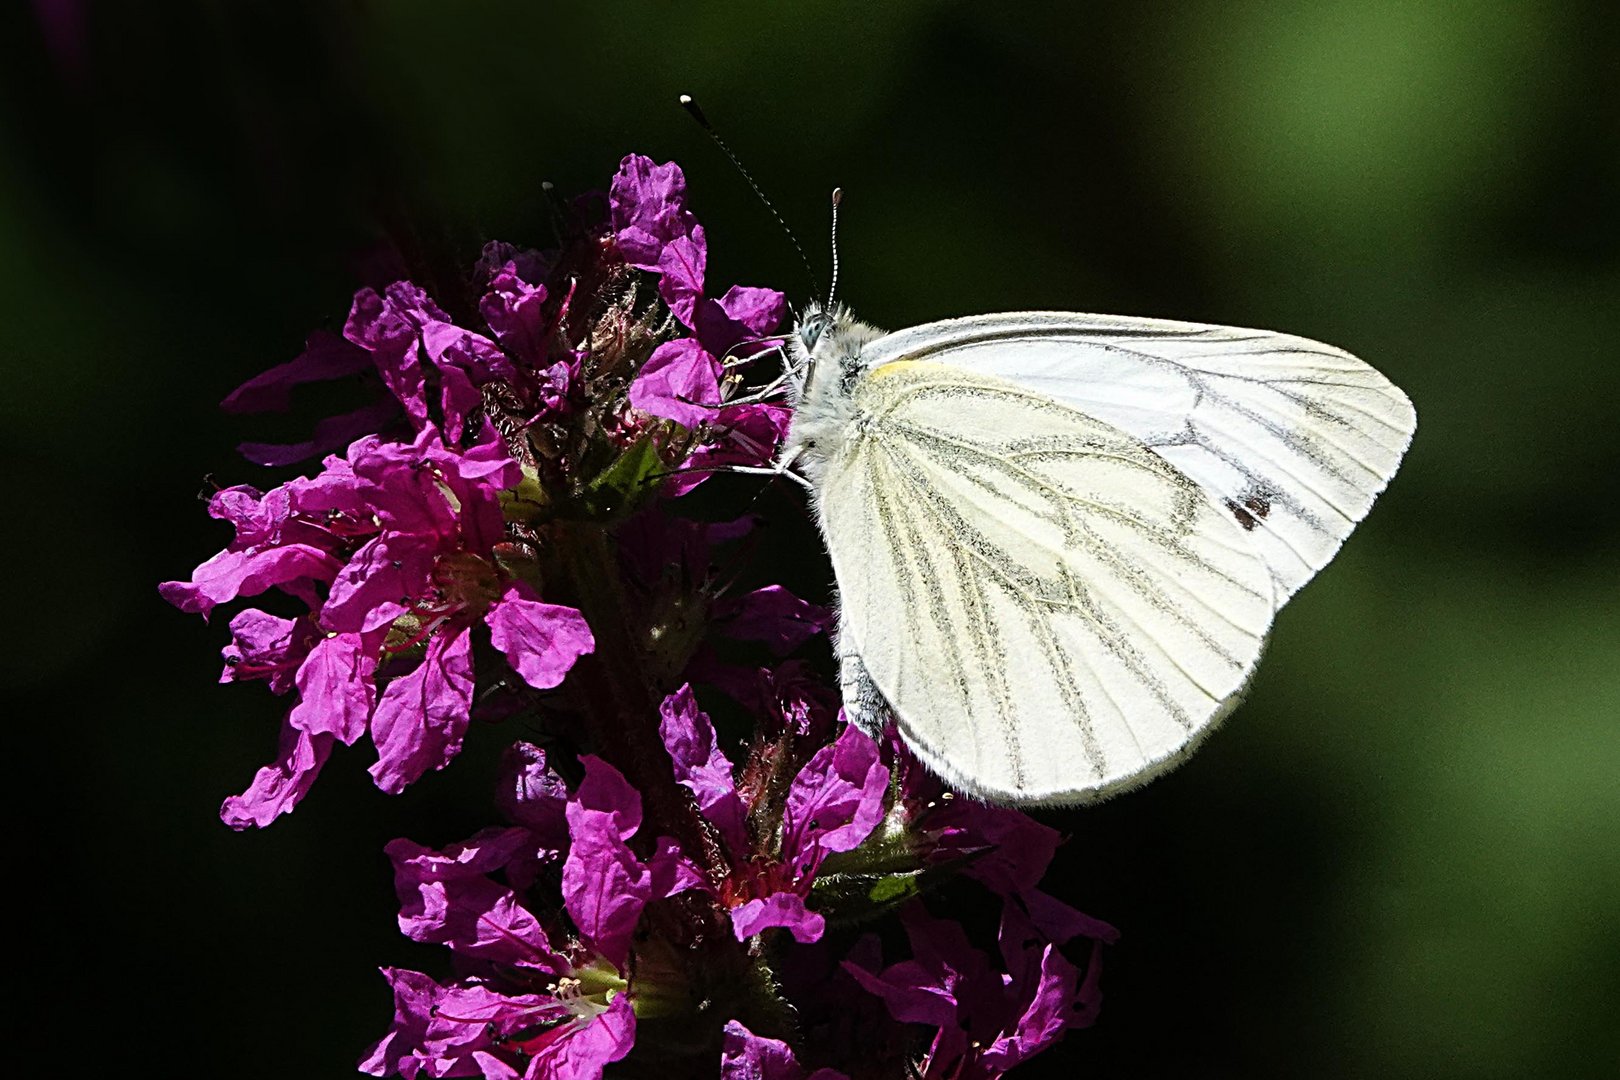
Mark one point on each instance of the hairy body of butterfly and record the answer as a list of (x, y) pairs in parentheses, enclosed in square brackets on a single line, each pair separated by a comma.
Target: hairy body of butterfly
[(1060, 539)]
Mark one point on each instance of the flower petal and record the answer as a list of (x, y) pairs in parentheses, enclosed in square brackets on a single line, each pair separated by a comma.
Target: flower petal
[(383, 329), (447, 898), (701, 767), (265, 647), (759, 310), (515, 312), (541, 641), (368, 591), (336, 688), (782, 909), (583, 1054), (604, 886), (681, 267), (672, 872), (325, 356), (648, 205), (739, 435), (1048, 1002), (677, 381), (442, 1030), (420, 721), (231, 574), (837, 799), (746, 1056), (279, 786)]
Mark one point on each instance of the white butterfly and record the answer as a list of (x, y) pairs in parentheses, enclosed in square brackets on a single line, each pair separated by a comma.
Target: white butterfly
[(1060, 539)]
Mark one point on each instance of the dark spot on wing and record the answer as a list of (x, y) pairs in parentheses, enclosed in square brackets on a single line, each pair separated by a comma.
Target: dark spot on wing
[(1258, 505), (1244, 517)]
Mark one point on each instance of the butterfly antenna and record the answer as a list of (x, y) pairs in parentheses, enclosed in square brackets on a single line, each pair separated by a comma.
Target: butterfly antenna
[(703, 122), (832, 290)]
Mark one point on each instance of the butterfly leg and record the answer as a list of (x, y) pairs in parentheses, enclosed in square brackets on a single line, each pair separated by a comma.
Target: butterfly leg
[(770, 470)]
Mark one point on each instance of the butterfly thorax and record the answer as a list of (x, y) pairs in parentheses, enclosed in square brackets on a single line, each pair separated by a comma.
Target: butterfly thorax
[(825, 352)]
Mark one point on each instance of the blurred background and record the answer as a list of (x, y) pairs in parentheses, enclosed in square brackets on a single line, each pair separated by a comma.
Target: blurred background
[(1399, 858)]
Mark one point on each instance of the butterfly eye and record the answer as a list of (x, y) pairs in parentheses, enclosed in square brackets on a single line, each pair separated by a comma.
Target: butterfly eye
[(811, 329)]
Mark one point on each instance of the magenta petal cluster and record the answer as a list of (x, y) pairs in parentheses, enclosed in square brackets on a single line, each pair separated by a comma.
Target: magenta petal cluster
[(985, 1020), (533, 1007), (470, 1029), (833, 804), (393, 548), (401, 328), (277, 545), (605, 886), (681, 381)]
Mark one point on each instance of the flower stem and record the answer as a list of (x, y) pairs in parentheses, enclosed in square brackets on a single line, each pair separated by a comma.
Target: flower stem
[(619, 690)]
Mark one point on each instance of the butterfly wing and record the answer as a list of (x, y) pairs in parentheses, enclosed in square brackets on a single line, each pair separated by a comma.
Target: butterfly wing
[(1293, 437), (1051, 610)]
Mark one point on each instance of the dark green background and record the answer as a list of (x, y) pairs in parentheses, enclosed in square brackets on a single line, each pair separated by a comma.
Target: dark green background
[(1400, 857)]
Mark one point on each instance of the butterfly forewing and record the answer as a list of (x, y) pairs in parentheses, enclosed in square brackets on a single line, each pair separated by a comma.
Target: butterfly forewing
[(1051, 610), (1293, 438)]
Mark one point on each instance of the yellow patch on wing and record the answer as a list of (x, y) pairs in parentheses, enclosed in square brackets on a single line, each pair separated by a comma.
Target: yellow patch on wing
[(895, 367)]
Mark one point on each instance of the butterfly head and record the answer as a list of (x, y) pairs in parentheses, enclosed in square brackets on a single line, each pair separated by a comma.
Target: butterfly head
[(813, 324), (827, 337), (825, 352)]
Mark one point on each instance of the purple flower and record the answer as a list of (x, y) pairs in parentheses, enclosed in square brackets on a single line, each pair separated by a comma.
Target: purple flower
[(516, 309), (431, 563), (745, 435), (333, 677), (448, 898), (746, 1056), (605, 886), (281, 785), (266, 647), (986, 1020), (771, 615), (471, 1029), (398, 328), (833, 804), (419, 723), (337, 686), (702, 768), (275, 546), (325, 356), (1003, 849), (681, 381), (537, 433), (648, 204), (533, 1006), (403, 537)]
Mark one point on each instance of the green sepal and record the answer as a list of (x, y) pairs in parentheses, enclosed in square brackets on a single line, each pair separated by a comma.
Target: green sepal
[(618, 489), (847, 898)]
